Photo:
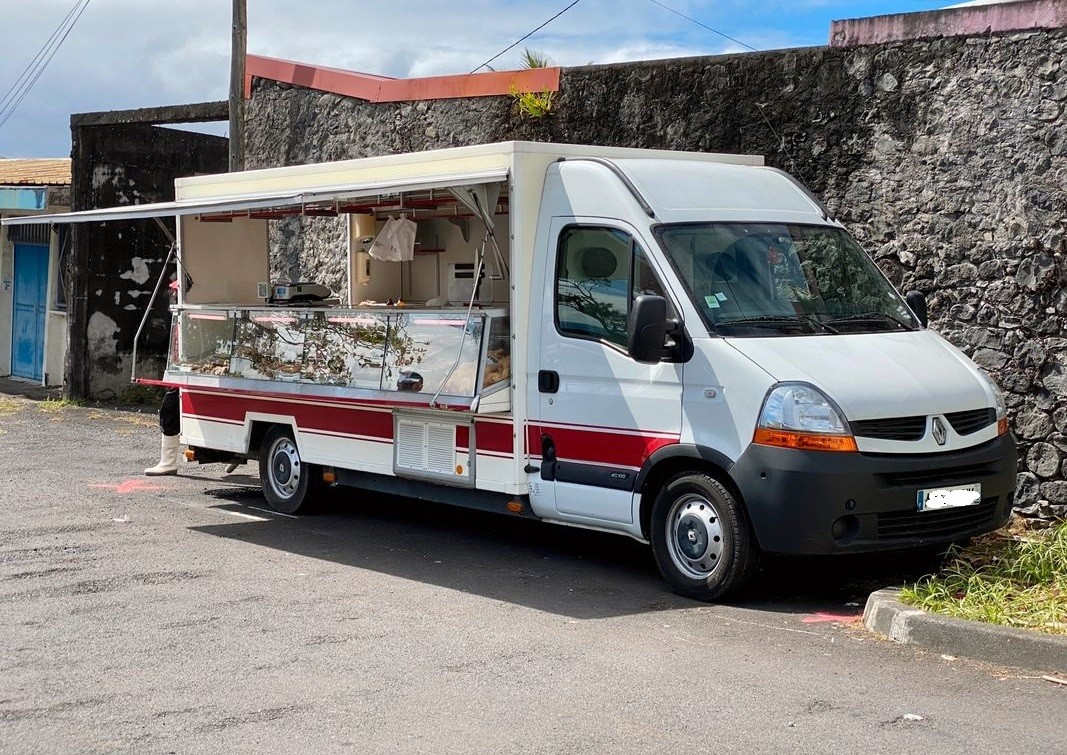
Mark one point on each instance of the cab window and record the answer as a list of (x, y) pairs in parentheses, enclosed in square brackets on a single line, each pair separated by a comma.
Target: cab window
[(599, 272)]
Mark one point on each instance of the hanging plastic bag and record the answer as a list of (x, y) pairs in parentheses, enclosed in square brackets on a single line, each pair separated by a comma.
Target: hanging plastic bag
[(395, 242)]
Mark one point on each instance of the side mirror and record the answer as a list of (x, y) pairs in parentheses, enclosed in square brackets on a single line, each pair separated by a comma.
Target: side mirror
[(648, 330), (917, 301)]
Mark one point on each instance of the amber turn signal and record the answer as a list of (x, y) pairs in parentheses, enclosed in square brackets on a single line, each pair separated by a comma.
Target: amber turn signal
[(803, 441), (329, 476), (515, 507), (190, 454), (1002, 426)]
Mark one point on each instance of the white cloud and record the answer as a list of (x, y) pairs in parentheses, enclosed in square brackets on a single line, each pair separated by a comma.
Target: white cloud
[(144, 53)]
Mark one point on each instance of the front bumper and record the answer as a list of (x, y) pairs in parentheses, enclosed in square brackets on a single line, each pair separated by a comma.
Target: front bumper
[(816, 502)]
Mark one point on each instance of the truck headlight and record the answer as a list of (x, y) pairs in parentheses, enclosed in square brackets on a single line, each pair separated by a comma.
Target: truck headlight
[(797, 415), (998, 402)]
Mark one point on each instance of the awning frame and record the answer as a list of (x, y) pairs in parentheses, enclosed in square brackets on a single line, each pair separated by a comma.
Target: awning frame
[(264, 200)]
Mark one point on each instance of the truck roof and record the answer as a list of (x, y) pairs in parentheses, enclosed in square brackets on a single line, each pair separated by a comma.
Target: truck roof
[(430, 164), (708, 190)]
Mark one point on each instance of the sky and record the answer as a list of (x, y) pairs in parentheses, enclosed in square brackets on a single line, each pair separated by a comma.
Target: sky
[(146, 53)]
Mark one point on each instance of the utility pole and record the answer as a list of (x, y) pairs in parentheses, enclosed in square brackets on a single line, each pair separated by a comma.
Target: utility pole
[(238, 49)]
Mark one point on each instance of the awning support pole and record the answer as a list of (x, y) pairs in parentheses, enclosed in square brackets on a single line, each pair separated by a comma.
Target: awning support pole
[(151, 301)]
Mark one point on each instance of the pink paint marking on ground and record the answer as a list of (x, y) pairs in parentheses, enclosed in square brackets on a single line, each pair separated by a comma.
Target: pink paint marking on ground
[(135, 485), (822, 616)]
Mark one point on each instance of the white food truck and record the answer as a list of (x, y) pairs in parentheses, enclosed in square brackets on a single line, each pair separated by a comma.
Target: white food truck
[(680, 347)]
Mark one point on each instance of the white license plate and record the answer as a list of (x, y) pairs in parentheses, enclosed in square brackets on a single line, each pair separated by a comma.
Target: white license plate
[(932, 499)]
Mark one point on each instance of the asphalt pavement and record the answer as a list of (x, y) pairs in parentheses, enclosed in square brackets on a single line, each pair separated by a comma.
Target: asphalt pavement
[(177, 615)]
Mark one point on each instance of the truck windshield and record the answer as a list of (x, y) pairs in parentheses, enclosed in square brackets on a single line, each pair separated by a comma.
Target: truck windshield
[(760, 279)]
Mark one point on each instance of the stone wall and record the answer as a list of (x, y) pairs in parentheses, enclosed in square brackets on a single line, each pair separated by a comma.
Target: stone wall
[(116, 265), (947, 158)]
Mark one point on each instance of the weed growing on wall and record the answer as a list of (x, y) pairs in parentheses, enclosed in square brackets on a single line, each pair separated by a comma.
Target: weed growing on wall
[(533, 104)]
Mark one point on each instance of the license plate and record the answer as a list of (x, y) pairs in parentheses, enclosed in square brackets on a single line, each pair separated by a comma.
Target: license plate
[(932, 499)]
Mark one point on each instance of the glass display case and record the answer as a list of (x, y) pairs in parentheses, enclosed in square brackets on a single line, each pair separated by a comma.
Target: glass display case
[(416, 350)]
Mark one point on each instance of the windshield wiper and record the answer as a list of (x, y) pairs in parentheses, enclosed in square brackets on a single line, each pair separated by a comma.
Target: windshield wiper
[(872, 317), (780, 320)]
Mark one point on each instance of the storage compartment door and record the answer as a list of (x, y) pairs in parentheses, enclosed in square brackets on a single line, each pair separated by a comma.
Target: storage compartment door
[(426, 449)]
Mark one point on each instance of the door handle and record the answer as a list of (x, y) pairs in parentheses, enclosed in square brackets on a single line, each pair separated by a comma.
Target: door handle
[(547, 381)]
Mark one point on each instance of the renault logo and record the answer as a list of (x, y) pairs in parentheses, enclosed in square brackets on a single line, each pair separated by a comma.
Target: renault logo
[(940, 433)]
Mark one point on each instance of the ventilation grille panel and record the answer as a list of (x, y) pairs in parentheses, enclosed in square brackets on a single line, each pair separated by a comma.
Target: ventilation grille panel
[(441, 448), (411, 444), (425, 448)]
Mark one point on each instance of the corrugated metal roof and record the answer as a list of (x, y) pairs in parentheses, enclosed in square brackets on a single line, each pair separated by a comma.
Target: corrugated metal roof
[(35, 171)]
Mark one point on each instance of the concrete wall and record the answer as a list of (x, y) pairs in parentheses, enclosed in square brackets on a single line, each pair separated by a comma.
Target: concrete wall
[(945, 22), (117, 264), (947, 158)]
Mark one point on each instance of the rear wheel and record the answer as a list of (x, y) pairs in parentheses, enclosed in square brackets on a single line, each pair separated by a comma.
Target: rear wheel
[(701, 538), (288, 483)]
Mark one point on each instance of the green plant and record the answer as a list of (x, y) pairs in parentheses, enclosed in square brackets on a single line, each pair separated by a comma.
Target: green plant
[(1015, 582), (533, 104), (56, 405)]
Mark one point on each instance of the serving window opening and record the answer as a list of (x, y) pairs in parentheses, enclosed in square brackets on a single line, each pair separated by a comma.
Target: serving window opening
[(404, 293)]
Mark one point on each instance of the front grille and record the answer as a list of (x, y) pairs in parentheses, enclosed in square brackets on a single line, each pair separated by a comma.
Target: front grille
[(893, 428), (939, 476), (944, 524), (965, 423)]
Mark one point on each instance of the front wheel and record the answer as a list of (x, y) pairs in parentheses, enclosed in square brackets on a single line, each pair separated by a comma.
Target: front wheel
[(701, 539), (288, 483)]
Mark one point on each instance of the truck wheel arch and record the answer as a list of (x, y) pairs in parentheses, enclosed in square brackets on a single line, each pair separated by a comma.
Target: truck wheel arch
[(258, 424), (669, 460), (258, 431)]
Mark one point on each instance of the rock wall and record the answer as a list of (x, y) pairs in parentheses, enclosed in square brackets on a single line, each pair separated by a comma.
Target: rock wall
[(116, 265), (947, 158)]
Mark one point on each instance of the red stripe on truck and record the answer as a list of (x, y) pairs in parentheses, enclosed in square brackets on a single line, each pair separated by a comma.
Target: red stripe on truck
[(336, 418), (600, 445)]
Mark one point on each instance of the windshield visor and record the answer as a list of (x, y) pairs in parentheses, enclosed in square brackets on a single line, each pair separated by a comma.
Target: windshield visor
[(767, 279)]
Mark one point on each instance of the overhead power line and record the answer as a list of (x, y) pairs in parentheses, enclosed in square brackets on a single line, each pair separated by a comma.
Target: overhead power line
[(703, 25), (38, 56), (526, 36), (29, 76)]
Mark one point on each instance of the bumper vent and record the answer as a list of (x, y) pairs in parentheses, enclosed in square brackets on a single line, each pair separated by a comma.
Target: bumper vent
[(941, 525), (965, 423), (893, 428), (940, 476)]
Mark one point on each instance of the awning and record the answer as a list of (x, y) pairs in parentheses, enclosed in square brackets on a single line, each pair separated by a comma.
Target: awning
[(264, 200)]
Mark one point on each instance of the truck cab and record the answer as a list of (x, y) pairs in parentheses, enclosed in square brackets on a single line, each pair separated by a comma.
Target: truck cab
[(789, 400)]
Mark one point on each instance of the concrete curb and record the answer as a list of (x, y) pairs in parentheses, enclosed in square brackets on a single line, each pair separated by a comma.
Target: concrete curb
[(975, 640)]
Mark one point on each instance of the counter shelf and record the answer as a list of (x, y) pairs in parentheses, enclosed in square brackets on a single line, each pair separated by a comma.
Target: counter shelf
[(392, 350)]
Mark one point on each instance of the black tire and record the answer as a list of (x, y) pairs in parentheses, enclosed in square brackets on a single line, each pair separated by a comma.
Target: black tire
[(701, 538), (289, 484)]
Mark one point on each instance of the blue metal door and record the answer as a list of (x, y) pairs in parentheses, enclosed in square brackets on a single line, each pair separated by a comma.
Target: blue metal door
[(31, 303)]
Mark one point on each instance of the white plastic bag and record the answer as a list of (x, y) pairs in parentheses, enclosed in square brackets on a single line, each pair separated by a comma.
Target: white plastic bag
[(395, 242)]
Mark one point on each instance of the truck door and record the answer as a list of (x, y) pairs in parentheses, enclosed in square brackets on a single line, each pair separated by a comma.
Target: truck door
[(598, 414)]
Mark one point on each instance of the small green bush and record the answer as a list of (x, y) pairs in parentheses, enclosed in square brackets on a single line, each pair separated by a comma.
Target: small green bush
[(1014, 582)]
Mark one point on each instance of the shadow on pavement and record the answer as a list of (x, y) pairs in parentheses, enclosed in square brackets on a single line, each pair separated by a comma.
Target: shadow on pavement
[(566, 571), (28, 389)]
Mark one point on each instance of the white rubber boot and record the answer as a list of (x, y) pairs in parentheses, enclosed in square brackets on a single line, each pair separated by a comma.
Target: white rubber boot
[(168, 457)]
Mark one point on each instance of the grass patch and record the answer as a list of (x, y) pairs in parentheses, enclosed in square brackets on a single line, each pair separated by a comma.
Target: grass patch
[(1014, 581), (56, 405), (9, 406)]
